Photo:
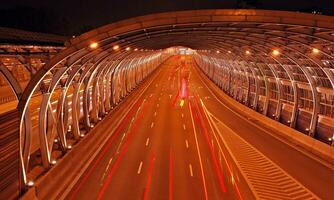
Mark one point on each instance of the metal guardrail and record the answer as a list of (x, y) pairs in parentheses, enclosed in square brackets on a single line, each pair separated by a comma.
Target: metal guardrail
[(7, 99)]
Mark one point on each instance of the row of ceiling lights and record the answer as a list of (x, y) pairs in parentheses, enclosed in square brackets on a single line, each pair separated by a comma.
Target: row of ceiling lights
[(275, 52), (95, 45)]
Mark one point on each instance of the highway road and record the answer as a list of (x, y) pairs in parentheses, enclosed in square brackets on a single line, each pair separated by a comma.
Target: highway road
[(180, 141)]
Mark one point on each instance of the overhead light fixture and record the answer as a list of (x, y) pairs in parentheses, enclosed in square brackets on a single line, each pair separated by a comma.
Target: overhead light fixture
[(94, 45), (116, 47), (136, 49), (229, 52), (276, 52), (30, 183), (218, 51), (248, 52), (315, 50), (127, 48)]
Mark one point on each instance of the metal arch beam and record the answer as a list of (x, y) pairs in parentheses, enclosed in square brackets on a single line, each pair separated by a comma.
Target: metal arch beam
[(293, 118), (295, 105), (315, 96), (14, 84), (316, 103), (267, 34), (276, 31), (319, 65), (45, 143)]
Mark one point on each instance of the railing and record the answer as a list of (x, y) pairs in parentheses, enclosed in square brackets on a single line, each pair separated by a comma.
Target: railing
[(7, 99)]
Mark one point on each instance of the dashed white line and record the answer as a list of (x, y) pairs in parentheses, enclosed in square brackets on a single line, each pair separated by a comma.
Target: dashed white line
[(108, 164), (182, 115), (152, 124), (139, 168), (155, 113), (191, 170), (157, 105), (120, 144), (147, 141), (184, 126), (110, 160), (187, 144), (199, 155)]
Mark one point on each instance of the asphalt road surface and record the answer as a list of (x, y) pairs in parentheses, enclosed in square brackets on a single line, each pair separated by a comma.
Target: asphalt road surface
[(166, 147)]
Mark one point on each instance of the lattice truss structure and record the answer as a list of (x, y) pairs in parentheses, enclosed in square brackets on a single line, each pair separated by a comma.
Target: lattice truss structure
[(279, 63)]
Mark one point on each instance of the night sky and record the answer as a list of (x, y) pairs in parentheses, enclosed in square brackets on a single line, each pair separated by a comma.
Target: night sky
[(69, 17)]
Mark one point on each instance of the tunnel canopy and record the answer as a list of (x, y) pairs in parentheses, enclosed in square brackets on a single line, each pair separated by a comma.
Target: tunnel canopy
[(260, 57), (296, 36)]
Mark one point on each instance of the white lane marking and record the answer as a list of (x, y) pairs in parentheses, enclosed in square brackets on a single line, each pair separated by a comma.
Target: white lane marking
[(199, 154), (151, 95), (184, 126), (139, 168), (266, 131), (109, 164), (161, 93), (159, 98), (155, 113), (157, 105), (170, 96), (182, 115), (147, 141), (88, 163), (191, 170), (120, 144), (187, 144), (152, 124), (105, 171), (156, 85)]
